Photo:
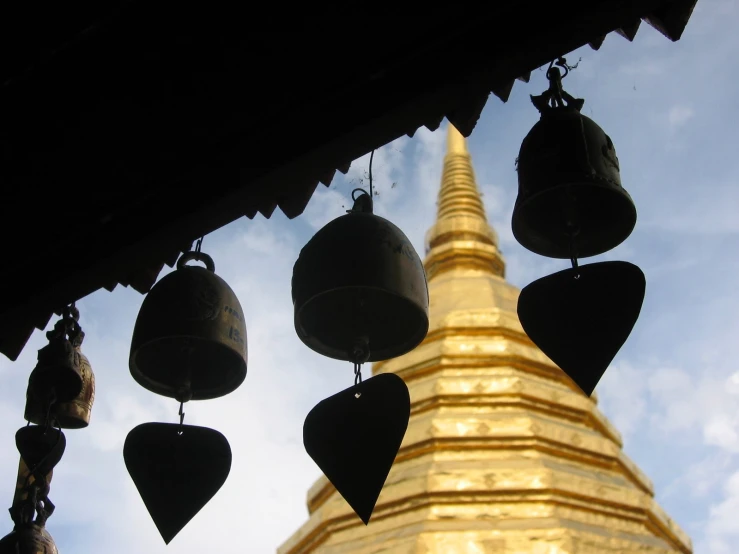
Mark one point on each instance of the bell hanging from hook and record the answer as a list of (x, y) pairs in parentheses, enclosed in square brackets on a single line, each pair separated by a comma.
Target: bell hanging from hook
[(189, 341), (74, 414), (360, 294), (359, 288), (569, 183), (57, 377)]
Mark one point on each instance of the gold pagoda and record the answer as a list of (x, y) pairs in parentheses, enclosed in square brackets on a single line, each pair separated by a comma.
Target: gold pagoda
[(503, 453)]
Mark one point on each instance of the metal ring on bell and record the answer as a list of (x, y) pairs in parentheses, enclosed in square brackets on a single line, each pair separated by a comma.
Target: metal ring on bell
[(189, 341)]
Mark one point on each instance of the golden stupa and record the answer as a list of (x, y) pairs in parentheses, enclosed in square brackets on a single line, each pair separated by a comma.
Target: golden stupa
[(503, 453)]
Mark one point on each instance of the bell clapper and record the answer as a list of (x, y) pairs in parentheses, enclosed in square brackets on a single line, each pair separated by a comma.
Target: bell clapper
[(184, 393), (360, 354)]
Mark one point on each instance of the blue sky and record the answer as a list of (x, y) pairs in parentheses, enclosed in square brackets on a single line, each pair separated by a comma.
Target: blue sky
[(673, 390)]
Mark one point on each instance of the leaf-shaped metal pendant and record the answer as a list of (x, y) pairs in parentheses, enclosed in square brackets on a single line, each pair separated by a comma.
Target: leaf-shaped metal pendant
[(355, 435), (177, 469), (40, 448), (581, 323)]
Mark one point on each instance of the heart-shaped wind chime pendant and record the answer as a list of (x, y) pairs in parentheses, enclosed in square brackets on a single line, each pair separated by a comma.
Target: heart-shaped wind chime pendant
[(571, 205), (189, 343), (60, 394), (360, 294)]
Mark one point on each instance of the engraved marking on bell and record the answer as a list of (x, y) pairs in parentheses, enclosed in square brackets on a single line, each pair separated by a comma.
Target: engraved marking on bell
[(231, 311)]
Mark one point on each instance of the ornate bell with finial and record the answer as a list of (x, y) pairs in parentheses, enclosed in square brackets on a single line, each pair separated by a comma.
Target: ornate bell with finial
[(57, 377), (570, 199), (189, 341), (359, 289), (76, 413)]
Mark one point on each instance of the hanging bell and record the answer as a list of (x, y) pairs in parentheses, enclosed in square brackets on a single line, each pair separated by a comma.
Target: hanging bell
[(189, 341), (28, 538), (359, 289), (570, 200), (57, 377), (74, 414)]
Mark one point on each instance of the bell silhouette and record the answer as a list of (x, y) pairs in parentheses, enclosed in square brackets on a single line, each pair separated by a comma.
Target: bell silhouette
[(359, 289), (74, 414), (189, 341), (56, 377), (570, 200)]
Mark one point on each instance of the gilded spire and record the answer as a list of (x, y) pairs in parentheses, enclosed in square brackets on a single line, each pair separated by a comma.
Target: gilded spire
[(461, 235)]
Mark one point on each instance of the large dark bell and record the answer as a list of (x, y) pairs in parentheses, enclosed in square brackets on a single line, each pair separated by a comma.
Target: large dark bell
[(189, 341), (56, 376), (28, 539), (569, 182), (359, 290)]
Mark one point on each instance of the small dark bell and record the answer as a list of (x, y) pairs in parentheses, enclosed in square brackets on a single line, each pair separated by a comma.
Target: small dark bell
[(74, 414), (57, 374), (29, 538), (569, 185), (189, 341), (359, 289)]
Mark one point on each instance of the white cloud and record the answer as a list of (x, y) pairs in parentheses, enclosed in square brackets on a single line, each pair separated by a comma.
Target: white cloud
[(622, 396), (679, 115), (722, 527)]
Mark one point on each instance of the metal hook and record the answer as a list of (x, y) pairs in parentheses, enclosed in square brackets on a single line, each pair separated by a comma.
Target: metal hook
[(361, 190), (573, 256), (182, 418)]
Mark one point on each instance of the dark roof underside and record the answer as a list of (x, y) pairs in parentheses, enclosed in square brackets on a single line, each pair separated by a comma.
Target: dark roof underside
[(129, 130)]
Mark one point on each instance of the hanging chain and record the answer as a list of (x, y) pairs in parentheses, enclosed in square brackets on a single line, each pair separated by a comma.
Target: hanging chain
[(36, 507), (74, 331), (357, 374), (199, 244)]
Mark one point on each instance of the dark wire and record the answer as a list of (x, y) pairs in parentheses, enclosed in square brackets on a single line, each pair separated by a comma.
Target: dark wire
[(372, 155)]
